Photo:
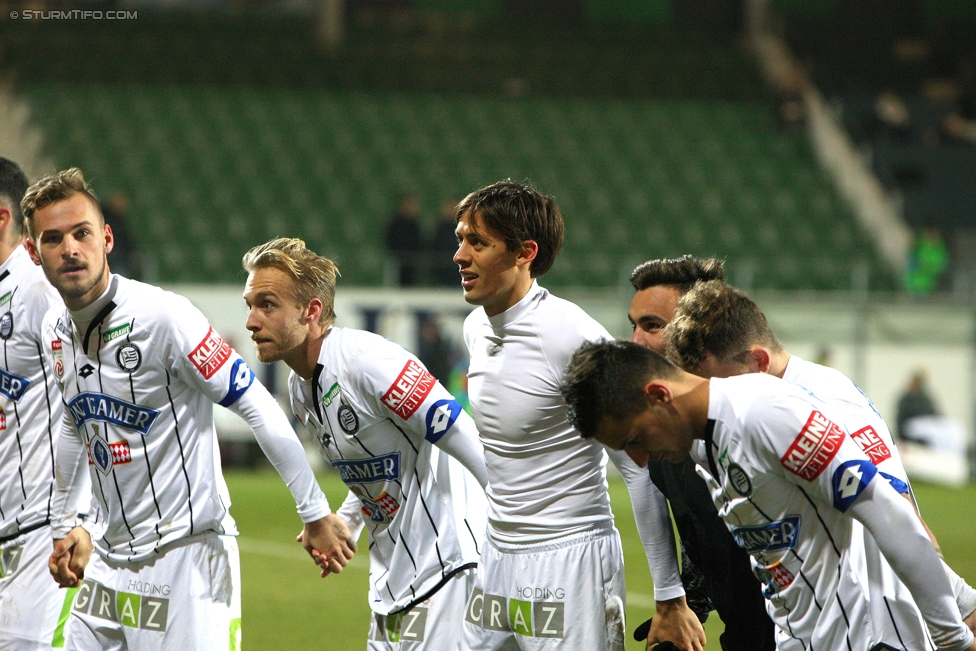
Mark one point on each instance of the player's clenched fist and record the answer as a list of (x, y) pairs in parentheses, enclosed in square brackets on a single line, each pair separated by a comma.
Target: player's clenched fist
[(70, 557), (329, 543)]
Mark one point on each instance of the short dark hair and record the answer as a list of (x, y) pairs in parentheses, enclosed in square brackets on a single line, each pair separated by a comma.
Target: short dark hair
[(519, 213), (681, 273), (607, 378), (719, 319), (13, 185)]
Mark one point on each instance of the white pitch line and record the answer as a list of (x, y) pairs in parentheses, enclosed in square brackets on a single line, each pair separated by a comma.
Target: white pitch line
[(296, 553), (292, 552)]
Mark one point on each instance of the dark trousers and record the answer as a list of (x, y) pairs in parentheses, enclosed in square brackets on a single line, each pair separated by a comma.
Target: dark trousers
[(729, 581)]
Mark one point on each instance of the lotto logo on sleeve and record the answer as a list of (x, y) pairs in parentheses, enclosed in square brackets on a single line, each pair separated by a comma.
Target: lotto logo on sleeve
[(440, 418), (871, 444), (814, 447), (408, 391), (241, 379), (210, 354), (850, 480)]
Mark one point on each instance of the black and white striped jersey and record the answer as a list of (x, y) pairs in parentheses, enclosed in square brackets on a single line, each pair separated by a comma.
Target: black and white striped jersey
[(892, 606), (378, 417), (141, 370), (786, 478), (30, 404)]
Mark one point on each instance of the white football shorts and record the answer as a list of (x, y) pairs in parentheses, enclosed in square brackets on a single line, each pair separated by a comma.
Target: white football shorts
[(188, 598), (432, 625), (563, 594), (31, 602)]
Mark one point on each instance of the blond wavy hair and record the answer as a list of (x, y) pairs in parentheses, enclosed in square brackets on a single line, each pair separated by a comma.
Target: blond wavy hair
[(312, 275)]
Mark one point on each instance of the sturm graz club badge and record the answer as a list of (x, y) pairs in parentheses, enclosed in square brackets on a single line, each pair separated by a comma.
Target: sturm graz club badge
[(128, 357), (739, 479), (348, 420), (6, 325)]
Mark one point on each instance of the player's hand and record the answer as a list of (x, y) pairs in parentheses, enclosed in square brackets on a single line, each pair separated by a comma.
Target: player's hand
[(676, 622), (329, 543), (70, 558)]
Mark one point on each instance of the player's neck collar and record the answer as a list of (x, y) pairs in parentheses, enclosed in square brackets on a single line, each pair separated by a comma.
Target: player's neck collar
[(520, 309)]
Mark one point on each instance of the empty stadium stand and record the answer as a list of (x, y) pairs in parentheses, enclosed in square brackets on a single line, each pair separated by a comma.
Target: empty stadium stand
[(650, 149)]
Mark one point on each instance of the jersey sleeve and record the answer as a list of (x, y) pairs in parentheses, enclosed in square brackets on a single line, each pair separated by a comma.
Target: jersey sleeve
[(199, 356), (402, 388), (909, 552), (653, 520), (801, 442)]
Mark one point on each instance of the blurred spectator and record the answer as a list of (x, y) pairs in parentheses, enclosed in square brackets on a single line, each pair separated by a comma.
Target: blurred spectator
[(891, 117), (928, 262), (434, 349), (405, 241), (124, 257), (913, 403), (443, 246)]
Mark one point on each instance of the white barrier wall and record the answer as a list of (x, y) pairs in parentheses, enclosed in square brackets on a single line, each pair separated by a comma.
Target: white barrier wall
[(879, 346)]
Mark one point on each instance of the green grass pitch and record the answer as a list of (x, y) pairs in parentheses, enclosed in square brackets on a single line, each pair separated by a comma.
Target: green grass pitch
[(286, 606)]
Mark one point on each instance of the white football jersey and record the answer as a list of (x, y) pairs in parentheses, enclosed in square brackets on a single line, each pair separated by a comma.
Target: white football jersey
[(377, 414), (892, 604), (783, 475), (30, 405), (141, 370), (544, 480)]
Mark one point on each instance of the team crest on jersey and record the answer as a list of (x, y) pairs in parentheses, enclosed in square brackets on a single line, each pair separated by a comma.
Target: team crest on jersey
[(13, 386), (128, 357), (210, 354), (850, 480), (739, 480), (775, 536), (6, 325), (814, 447), (408, 391), (348, 420), (871, 444), (440, 418)]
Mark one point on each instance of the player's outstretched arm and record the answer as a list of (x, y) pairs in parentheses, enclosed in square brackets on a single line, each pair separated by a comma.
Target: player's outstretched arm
[(70, 558), (676, 622), (280, 444), (911, 555)]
